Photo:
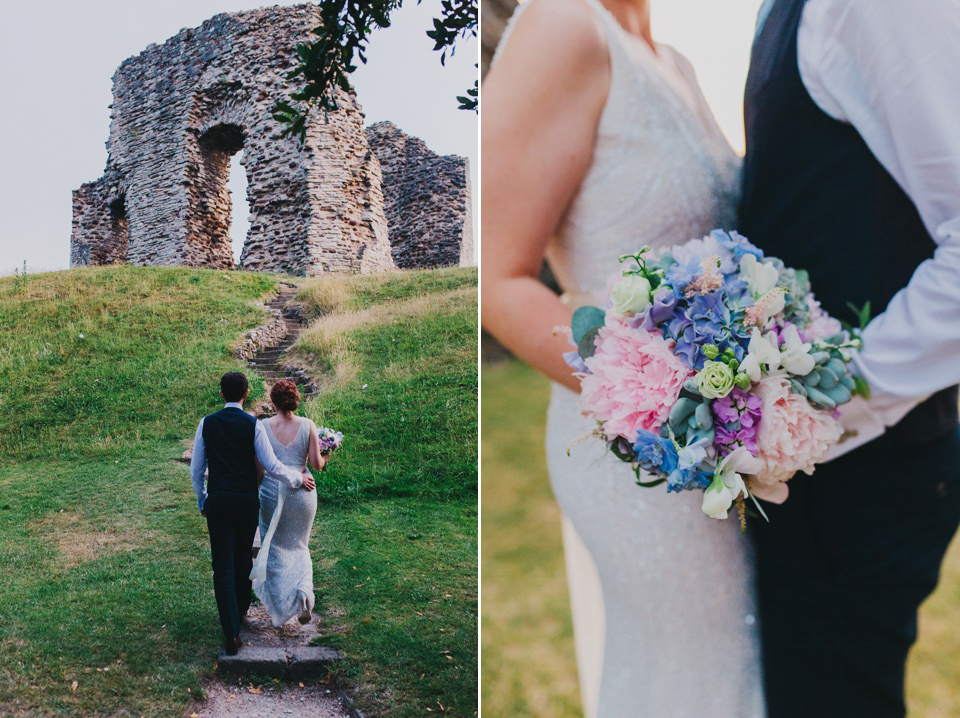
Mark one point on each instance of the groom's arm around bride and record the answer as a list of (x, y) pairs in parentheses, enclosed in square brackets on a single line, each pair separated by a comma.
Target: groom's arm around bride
[(228, 445), (852, 171)]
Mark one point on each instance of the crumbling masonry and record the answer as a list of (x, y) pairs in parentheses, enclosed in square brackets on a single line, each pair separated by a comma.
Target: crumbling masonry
[(349, 199)]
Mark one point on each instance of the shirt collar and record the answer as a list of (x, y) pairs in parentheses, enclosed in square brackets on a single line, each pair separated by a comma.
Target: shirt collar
[(233, 405), (762, 16)]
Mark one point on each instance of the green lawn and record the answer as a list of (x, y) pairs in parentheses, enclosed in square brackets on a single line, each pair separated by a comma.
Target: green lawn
[(528, 666), (107, 606)]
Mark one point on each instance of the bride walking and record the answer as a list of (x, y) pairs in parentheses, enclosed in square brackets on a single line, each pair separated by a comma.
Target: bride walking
[(596, 141), (283, 572)]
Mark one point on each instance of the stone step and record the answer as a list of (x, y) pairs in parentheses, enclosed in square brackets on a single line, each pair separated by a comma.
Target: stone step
[(289, 662)]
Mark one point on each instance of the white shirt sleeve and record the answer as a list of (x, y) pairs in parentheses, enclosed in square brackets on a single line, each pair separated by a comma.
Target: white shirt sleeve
[(198, 467), (890, 69), (270, 462)]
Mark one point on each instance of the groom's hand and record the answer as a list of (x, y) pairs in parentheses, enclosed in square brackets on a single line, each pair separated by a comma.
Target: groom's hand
[(308, 482)]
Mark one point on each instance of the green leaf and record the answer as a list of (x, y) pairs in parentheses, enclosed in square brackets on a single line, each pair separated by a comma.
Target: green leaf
[(650, 484), (586, 347), (862, 315), (585, 319)]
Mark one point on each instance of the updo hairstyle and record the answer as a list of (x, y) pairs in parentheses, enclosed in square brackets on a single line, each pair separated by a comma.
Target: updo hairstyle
[(285, 395)]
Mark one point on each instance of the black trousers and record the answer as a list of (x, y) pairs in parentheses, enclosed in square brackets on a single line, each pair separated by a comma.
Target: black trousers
[(232, 520), (842, 567)]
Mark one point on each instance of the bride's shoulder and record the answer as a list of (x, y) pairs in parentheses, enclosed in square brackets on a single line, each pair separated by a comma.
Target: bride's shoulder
[(559, 29)]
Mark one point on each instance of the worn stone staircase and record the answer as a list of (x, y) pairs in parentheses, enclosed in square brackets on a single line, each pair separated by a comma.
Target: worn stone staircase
[(270, 361)]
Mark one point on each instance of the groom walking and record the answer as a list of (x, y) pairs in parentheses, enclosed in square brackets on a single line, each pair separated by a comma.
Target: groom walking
[(852, 171), (230, 442)]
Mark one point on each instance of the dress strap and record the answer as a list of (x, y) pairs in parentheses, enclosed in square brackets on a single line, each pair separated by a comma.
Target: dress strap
[(608, 21)]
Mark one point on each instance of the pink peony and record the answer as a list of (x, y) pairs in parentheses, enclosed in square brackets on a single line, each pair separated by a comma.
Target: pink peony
[(635, 380), (792, 437)]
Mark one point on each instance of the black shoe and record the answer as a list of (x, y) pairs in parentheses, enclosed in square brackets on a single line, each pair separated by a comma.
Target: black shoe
[(232, 645)]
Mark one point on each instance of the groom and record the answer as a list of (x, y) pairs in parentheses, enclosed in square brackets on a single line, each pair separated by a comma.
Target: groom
[(230, 442), (852, 171)]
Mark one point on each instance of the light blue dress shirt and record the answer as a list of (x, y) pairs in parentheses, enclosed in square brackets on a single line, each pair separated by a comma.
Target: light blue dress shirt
[(261, 445)]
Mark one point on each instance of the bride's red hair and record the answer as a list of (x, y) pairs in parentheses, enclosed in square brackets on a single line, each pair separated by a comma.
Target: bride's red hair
[(285, 395)]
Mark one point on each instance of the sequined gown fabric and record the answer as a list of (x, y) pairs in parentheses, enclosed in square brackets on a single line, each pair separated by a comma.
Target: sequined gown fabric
[(662, 596), (289, 567)]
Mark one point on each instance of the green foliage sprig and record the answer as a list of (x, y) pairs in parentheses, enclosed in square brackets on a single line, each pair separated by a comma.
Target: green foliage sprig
[(654, 276), (342, 38)]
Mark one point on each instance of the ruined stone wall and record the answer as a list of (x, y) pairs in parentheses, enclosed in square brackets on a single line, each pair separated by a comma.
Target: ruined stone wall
[(100, 218), (182, 109), (426, 198)]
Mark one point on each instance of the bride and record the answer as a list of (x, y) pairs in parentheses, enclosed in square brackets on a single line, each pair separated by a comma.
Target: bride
[(283, 572), (596, 141)]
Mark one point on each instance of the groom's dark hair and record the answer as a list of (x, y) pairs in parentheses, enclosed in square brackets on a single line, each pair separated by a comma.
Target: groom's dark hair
[(233, 385)]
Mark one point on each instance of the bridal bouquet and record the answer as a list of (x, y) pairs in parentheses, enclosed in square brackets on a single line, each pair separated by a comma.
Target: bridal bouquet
[(714, 368), (330, 440)]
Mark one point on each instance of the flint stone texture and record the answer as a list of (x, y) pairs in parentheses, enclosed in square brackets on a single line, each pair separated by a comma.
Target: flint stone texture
[(427, 200), (182, 109)]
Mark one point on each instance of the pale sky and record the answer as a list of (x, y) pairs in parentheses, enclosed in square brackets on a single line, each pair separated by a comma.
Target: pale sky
[(57, 58), (716, 36)]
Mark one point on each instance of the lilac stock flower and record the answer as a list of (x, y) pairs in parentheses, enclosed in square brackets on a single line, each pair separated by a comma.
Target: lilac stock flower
[(575, 362), (660, 310), (738, 417)]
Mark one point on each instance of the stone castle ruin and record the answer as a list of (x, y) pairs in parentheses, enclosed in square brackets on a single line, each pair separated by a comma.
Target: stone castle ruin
[(349, 199)]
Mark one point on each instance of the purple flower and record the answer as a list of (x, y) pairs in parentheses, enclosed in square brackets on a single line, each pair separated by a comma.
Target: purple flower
[(575, 362), (738, 416), (660, 310)]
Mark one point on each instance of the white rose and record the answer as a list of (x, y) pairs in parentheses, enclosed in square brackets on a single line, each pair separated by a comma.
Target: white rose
[(630, 295)]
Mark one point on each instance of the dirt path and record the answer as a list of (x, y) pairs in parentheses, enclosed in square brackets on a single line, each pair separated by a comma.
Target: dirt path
[(236, 697), (243, 700)]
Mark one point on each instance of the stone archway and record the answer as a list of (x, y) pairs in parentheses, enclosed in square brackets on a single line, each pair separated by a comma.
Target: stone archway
[(209, 208), (119, 229)]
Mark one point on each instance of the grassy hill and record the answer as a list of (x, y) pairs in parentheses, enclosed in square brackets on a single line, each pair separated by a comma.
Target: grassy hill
[(107, 605)]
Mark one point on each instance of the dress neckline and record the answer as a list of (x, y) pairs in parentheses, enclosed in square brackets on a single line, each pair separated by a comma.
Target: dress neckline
[(658, 56), (295, 436)]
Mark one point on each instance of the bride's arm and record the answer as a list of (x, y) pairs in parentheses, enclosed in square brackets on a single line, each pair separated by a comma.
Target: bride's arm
[(542, 103), (316, 459)]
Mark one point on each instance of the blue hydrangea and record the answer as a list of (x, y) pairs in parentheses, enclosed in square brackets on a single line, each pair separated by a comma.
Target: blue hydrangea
[(705, 319), (737, 244), (681, 468)]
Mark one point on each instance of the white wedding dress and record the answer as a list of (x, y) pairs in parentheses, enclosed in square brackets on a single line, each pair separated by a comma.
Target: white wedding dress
[(283, 570), (662, 596)]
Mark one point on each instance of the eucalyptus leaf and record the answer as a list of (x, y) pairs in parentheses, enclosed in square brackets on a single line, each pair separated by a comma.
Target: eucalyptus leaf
[(585, 319), (587, 347)]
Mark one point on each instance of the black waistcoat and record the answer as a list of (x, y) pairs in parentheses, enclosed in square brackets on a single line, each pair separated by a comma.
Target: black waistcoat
[(815, 196), (228, 440)]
